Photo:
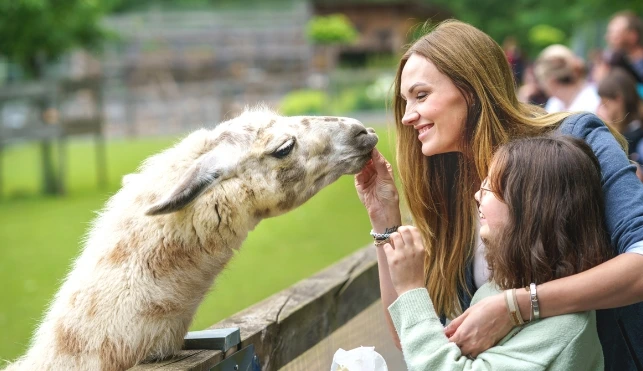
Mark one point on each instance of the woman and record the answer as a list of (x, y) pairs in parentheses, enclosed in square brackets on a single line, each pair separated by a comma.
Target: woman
[(563, 77), (541, 218), (454, 105)]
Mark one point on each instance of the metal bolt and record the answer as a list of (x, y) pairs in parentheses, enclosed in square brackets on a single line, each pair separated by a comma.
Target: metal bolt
[(236, 367)]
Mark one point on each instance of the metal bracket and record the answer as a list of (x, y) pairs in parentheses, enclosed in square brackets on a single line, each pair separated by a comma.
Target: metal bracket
[(217, 339), (243, 360)]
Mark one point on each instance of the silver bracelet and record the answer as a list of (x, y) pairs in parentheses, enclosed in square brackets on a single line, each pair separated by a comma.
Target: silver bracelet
[(386, 235), (533, 295)]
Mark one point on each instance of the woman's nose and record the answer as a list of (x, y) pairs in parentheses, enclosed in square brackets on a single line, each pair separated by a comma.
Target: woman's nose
[(477, 196), (410, 117)]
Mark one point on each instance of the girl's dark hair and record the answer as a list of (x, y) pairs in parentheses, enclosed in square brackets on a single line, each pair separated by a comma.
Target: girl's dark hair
[(552, 187)]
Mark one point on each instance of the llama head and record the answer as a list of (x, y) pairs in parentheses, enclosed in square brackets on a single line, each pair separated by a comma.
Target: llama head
[(277, 162)]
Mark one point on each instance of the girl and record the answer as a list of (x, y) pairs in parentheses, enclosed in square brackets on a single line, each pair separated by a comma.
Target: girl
[(541, 218)]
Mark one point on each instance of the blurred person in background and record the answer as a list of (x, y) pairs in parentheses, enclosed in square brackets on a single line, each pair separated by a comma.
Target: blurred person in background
[(530, 91), (625, 34), (610, 60), (562, 75), (621, 108), (514, 57)]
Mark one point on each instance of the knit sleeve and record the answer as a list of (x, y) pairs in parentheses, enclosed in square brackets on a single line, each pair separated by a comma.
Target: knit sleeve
[(425, 346)]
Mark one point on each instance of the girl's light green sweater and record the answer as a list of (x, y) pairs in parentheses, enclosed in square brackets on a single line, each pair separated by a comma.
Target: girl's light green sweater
[(567, 342)]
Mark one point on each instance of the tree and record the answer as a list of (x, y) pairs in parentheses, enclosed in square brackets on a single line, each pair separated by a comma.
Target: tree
[(331, 29), (36, 32), (518, 18)]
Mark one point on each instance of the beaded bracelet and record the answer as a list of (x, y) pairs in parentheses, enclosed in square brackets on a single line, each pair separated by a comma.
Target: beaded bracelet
[(381, 242)]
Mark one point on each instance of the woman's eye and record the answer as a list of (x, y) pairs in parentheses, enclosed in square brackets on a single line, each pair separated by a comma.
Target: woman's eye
[(284, 150), (421, 96)]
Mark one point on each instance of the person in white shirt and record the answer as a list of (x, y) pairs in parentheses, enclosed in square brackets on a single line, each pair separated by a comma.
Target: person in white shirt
[(563, 77)]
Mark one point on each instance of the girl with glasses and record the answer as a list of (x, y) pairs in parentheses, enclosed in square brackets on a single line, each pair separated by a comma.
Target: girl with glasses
[(541, 218)]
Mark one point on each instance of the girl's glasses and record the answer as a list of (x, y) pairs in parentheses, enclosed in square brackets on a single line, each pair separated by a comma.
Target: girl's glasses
[(484, 187)]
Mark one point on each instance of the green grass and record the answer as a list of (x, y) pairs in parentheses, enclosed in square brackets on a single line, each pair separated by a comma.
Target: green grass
[(40, 237)]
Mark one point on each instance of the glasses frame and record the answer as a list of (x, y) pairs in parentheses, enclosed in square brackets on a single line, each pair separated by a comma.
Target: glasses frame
[(483, 188)]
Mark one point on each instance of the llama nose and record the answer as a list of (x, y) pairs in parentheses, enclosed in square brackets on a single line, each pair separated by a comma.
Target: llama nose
[(361, 131), (370, 130)]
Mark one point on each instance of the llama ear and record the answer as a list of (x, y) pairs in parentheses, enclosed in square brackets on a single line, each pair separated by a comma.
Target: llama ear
[(206, 172)]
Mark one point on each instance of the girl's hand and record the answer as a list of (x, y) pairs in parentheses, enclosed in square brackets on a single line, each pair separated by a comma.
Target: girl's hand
[(377, 191), (405, 255), (481, 326)]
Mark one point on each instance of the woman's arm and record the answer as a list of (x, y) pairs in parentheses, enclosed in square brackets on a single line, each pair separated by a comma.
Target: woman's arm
[(388, 293), (376, 189), (615, 283)]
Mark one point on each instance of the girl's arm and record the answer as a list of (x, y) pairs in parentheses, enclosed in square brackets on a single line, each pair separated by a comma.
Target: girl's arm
[(616, 283)]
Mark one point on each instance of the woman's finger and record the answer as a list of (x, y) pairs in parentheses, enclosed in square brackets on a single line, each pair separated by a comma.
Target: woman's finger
[(380, 163)]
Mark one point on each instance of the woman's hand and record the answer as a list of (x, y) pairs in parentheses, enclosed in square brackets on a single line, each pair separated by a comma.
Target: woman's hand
[(481, 326), (377, 191), (405, 255)]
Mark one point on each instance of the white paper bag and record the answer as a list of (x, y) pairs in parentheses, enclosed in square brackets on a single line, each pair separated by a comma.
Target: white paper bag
[(358, 359)]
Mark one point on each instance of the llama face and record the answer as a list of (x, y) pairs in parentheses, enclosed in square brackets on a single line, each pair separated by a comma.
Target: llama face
[(278, 162)]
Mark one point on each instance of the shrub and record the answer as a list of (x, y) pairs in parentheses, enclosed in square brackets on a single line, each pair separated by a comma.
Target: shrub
[(304, 102), (331, 29)]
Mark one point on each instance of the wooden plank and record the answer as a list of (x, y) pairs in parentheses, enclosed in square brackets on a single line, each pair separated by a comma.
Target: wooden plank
[(185, 360), (158, 364)]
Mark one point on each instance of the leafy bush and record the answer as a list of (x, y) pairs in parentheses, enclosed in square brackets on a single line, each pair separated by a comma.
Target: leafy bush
[(304, 102), (543, 35), (331, 29)]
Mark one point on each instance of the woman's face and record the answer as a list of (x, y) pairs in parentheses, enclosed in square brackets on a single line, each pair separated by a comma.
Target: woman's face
[(494, 214), (434, 106), (611, 110)]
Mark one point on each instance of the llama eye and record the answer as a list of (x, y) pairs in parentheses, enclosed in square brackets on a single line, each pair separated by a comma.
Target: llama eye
[(285, 149)]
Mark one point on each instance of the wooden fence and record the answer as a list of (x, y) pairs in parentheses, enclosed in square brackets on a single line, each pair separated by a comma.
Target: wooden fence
[(286, 325)]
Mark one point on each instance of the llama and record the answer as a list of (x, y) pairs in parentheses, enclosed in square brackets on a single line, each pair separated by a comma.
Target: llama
[(155, 249)]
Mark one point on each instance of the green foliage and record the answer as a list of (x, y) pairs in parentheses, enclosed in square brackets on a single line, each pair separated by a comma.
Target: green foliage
[(543, 35), (143, 5), (41, 237), (331, 29), (34, 32), (516, 18), (304, 102)]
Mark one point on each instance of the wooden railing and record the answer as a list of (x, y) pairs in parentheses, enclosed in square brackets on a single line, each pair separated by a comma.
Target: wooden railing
[(284, 326)]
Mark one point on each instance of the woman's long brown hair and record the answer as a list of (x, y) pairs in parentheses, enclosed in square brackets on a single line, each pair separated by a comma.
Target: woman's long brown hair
[(439, 189), (552, 188)]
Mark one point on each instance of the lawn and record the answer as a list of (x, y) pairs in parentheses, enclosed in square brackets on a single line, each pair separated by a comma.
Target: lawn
[(40, 237)]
